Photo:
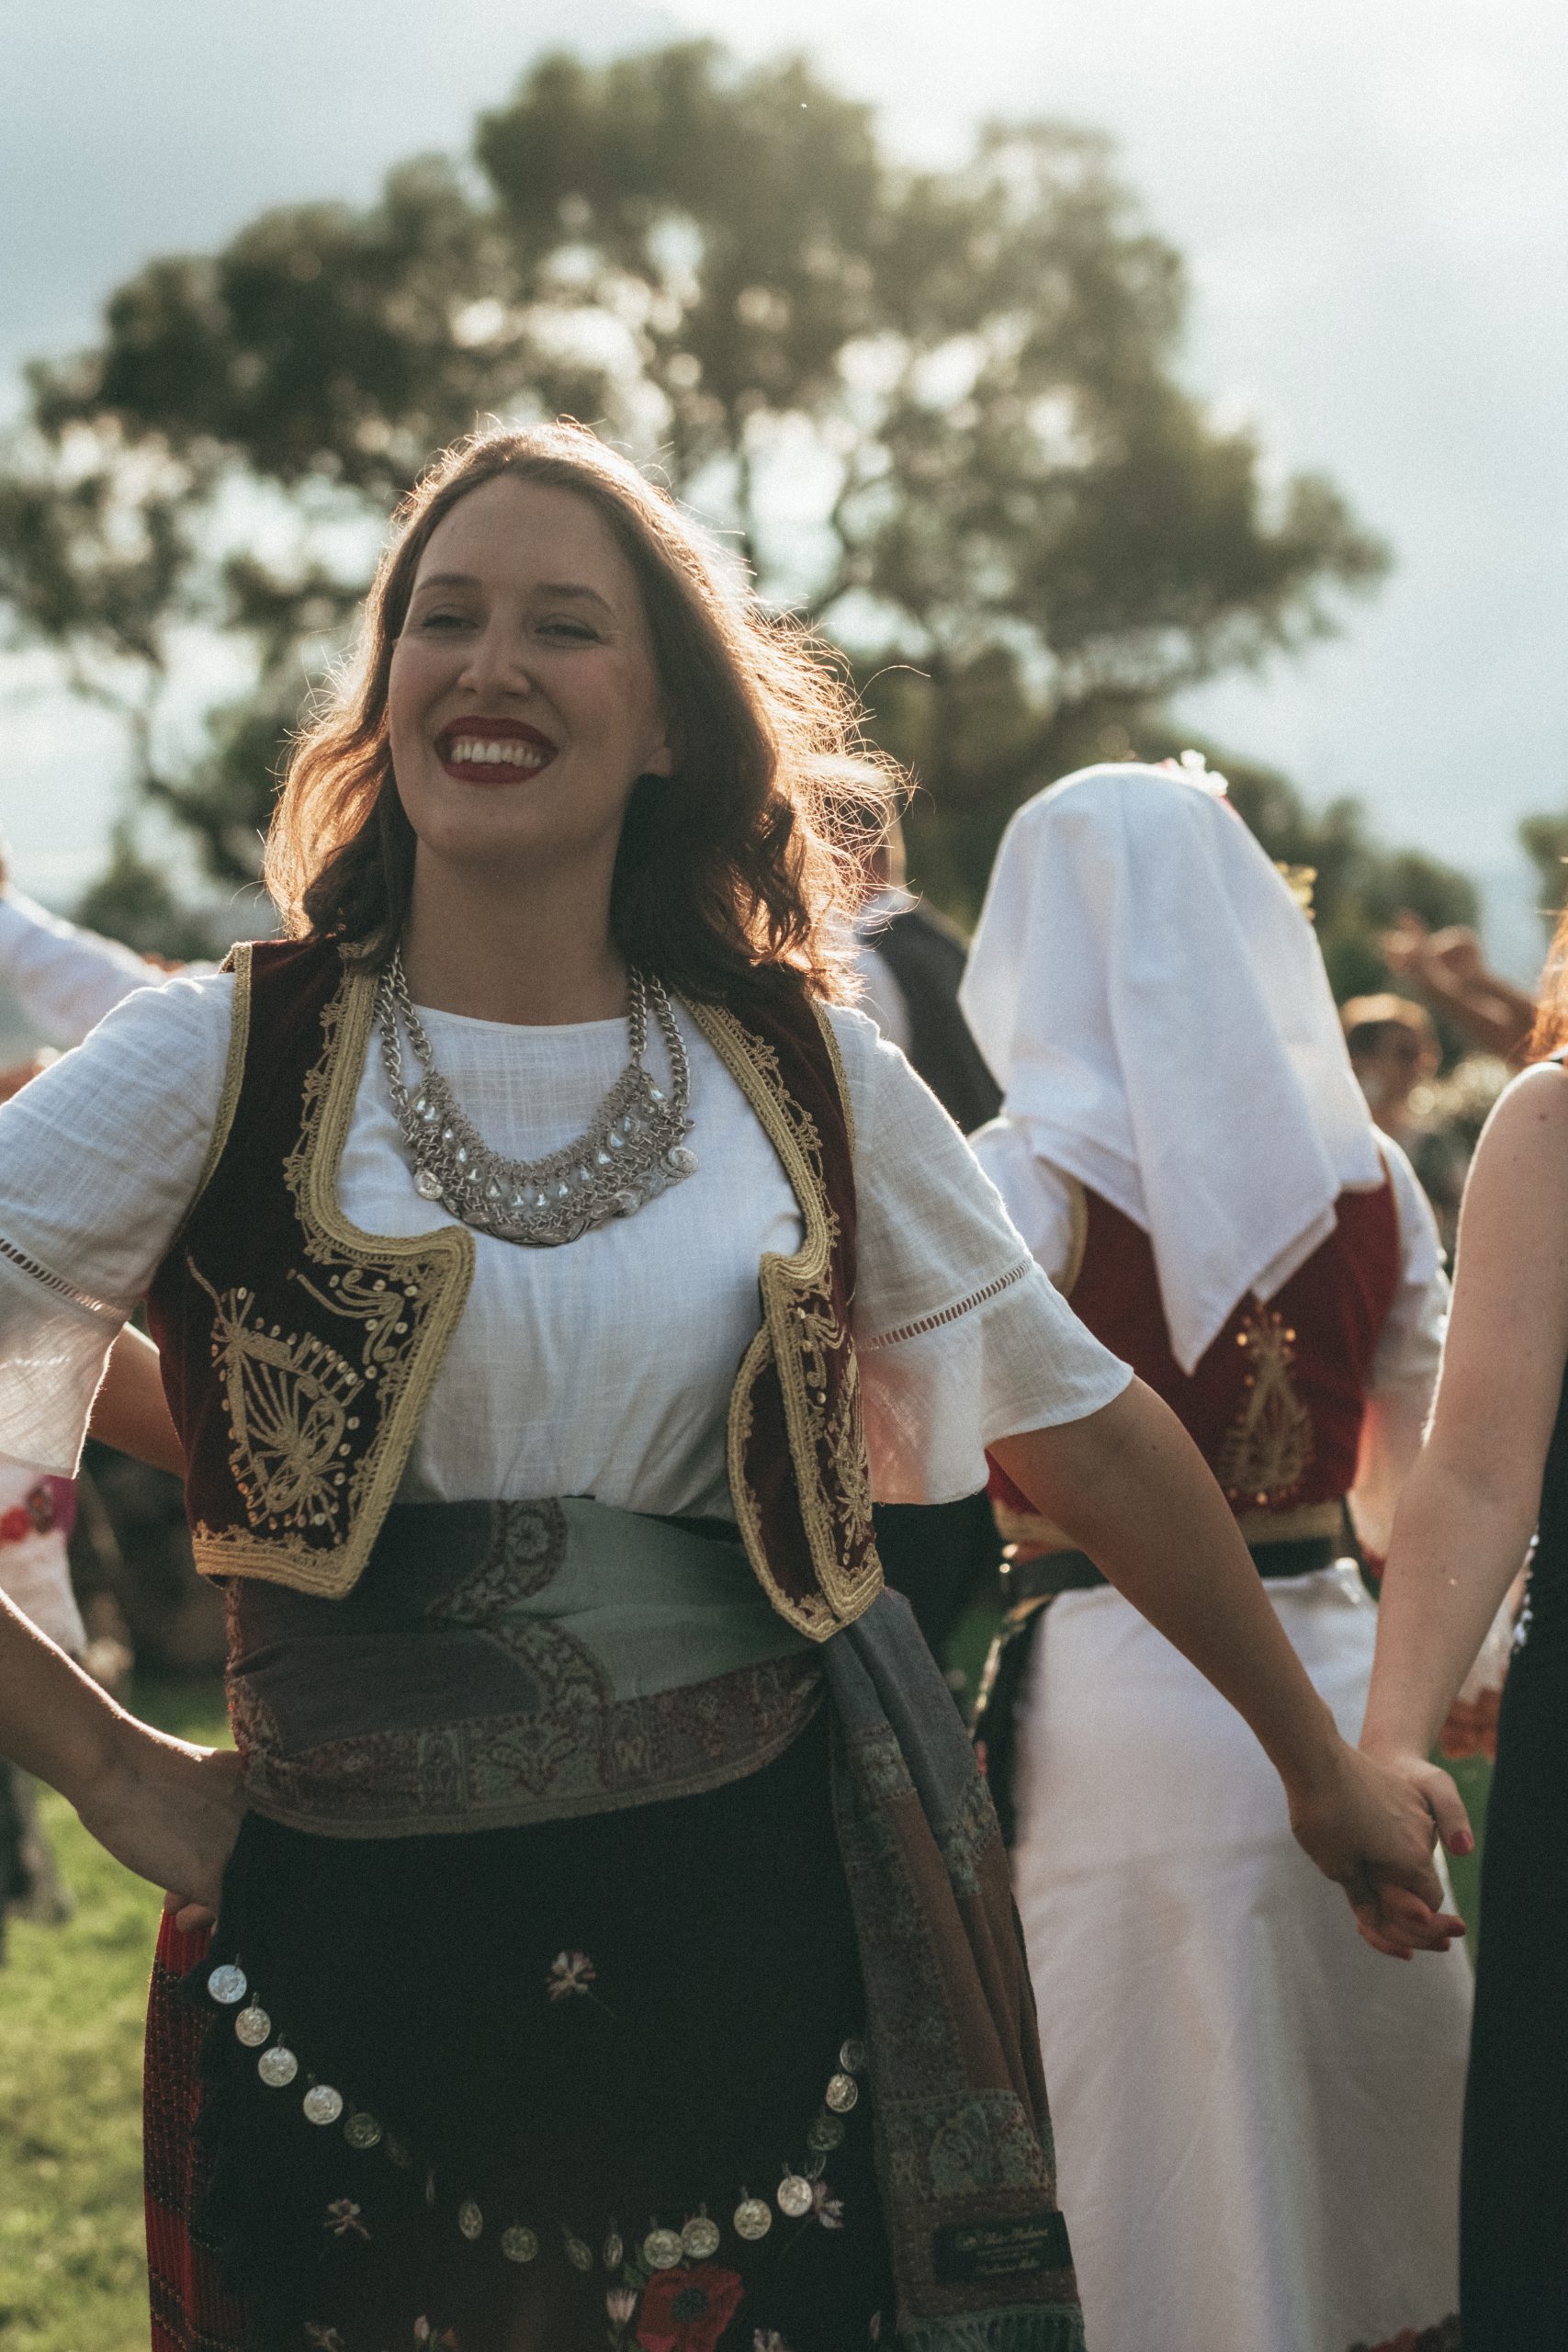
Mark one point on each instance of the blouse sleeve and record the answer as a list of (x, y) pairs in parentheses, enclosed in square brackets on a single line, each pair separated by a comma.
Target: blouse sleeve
[(959, 1336), (100, 1158), (1404, 1376), (66, 979)]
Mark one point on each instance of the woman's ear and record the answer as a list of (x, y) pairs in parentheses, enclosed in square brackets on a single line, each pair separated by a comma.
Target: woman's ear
[(661, 761)]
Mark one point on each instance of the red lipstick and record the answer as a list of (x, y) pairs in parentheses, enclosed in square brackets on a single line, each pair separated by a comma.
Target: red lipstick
[(492, 751)]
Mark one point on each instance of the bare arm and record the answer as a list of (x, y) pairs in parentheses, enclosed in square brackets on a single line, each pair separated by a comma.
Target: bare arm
[(1470, 1506), (1129, 1486), (167, 1810), (130, 1411)]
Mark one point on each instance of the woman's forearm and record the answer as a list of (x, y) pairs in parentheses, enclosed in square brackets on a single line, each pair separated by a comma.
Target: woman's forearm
[(167, 1810), (130, 1411), (1457, 1546), (56, 1721), (1131, 1488)]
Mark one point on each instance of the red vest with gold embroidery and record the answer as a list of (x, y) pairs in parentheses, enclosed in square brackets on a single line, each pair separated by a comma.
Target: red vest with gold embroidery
[(299, 1351), (1275, 1404)]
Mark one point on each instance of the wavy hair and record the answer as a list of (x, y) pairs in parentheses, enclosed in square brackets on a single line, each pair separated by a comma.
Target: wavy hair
[(749, 856), (1549, 1034)]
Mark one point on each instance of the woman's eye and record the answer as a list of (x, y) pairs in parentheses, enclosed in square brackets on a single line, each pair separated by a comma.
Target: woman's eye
[(576, 632), (443, 617)]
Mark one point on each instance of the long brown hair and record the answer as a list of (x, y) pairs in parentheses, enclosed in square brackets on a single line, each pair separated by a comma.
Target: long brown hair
[(1549, 1034), (749, 856)]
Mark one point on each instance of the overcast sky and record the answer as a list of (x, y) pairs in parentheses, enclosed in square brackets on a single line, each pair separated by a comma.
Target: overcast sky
[(1372, 196)]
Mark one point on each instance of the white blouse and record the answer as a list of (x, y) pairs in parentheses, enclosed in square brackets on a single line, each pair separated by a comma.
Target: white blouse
[(602, 1368), (1405, 1363)]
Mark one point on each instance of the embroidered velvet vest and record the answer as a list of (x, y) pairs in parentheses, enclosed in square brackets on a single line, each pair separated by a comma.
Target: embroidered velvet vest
[(299, 1351), (1275, 1404)]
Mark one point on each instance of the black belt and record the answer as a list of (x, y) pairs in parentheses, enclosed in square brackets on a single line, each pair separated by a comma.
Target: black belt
[(1054, 1572)]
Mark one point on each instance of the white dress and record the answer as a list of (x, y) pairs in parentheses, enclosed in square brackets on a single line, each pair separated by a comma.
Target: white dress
[(1256, 2117)]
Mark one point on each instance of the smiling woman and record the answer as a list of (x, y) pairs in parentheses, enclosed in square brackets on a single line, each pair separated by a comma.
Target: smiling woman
[(543, 596), (613, 1859)]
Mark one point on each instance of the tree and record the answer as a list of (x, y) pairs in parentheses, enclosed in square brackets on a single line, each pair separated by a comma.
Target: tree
[(936, 412)]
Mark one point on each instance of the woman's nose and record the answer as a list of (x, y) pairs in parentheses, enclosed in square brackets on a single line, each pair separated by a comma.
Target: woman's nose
[(497, 663)]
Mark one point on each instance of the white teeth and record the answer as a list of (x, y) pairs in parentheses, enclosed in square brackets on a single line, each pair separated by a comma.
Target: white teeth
[(471, 748)]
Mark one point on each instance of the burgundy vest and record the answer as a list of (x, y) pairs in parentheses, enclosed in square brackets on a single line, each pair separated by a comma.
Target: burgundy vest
[(299, 1351), (1275, 1404)]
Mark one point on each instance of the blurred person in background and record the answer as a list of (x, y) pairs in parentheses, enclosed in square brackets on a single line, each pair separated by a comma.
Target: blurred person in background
[(36, 1517), (64, 980), (909, 961), (1494, 1475), (1256, 2117), (1395, 1055), (36, 1514), (1450, 969), (596, 1795)]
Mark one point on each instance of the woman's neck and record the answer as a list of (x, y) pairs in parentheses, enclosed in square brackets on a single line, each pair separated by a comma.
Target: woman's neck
[(537, 957)]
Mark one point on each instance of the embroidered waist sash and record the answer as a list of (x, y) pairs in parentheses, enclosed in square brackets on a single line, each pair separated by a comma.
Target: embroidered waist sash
[(500, 1664), (505, 1663)]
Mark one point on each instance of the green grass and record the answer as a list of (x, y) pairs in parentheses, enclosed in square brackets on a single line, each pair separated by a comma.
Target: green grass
[(72, 2005)]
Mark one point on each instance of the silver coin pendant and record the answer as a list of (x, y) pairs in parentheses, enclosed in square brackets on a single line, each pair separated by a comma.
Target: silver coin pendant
[(843, 2093), (700, 2239), (796, 2197), (753, 2218)]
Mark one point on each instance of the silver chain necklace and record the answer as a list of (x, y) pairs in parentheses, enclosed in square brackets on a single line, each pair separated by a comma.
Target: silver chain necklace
[(635, 1149)]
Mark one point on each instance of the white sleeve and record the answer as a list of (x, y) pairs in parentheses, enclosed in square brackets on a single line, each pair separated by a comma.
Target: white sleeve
[(882, 998), (959, 1336), (1038, 1197), (1404, 1375), (64, 979), (100, 1158)]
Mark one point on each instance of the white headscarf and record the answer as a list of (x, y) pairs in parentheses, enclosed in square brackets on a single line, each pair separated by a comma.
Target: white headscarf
[(1153, 1004)]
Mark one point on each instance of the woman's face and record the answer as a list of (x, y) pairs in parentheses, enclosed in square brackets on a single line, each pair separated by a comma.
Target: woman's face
[(523, 703)]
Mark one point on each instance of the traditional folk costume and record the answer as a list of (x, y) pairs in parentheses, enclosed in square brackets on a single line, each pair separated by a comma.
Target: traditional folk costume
[(1256, 2117), (619, 1926)]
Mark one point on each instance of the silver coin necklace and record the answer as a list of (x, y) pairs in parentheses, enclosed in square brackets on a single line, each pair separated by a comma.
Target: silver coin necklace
[(635, 1149)]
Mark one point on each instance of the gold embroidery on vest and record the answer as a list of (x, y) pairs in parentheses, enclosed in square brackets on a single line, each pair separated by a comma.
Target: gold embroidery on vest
[(405, 1294), (1269, 1444), (237, 961), (802, 1334), (287, 1398)]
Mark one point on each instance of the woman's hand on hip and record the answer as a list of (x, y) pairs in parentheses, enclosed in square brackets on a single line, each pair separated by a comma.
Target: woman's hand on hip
[(171, 1813)]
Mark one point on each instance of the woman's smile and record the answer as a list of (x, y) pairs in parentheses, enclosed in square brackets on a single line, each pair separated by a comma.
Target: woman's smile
[(492, 751)]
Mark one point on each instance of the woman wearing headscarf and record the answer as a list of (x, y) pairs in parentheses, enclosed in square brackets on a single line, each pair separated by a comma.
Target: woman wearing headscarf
[(1257, 2119)]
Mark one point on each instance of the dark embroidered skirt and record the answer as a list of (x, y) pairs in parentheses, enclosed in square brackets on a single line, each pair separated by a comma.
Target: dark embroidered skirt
[(570, 2038)]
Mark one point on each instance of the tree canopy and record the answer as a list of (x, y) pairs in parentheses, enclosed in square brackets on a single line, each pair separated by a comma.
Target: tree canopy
[(938, 412)]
